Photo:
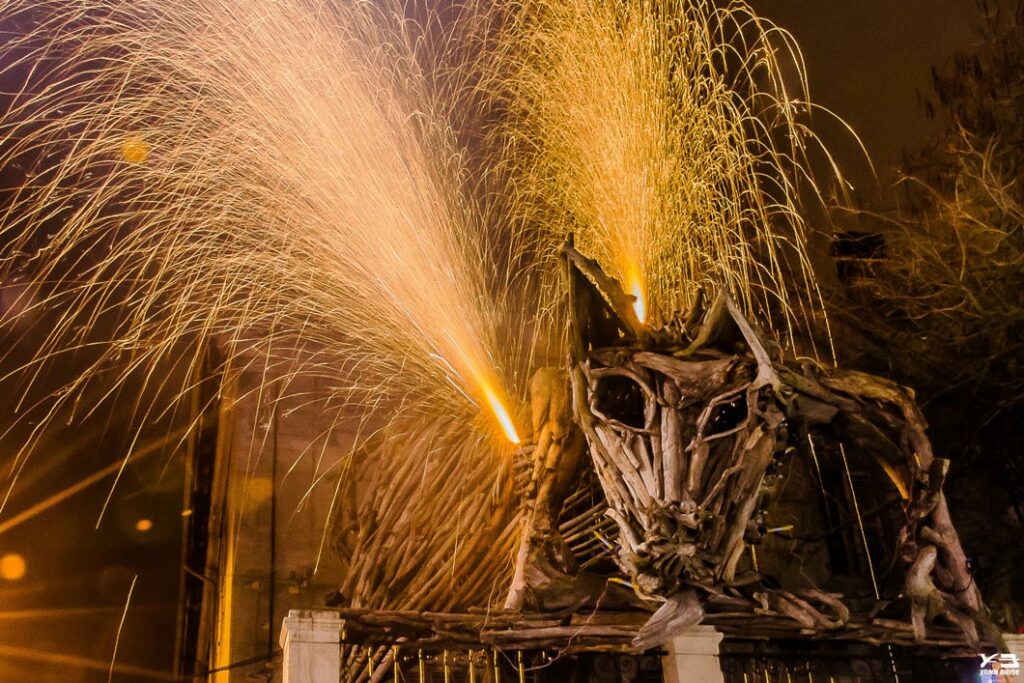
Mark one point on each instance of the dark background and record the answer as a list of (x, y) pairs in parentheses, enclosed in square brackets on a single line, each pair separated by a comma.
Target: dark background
[(870, 62)]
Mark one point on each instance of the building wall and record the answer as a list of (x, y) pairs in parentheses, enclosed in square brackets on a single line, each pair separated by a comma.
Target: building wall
[(269, 550)]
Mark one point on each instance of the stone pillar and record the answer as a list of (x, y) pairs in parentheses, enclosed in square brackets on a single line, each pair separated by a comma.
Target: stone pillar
[(310, 640), (692, 657)]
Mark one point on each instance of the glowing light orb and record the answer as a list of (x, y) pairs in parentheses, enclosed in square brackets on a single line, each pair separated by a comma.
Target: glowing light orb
[(12, 567), (144, 525), (504, 419), (258, 490), (135, 150)]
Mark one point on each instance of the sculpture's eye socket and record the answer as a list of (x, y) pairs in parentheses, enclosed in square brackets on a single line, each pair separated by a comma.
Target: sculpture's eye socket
[(727, 416), (620, 398)]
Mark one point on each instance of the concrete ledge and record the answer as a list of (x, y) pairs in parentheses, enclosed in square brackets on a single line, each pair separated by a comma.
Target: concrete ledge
[(310, 641), (693, 656)]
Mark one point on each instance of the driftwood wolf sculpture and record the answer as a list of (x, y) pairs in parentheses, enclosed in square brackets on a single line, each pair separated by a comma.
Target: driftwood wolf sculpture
[(685, 434)]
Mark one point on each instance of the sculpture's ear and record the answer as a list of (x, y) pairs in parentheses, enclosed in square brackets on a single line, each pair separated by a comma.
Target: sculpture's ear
[(725, 327), (600, 313), (719, 328)]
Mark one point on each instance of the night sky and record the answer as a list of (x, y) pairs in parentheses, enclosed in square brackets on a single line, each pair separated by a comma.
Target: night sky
[(869, 61)]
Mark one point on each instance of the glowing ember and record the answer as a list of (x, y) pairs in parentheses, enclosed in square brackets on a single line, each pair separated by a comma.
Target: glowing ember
[(499, 411), (639, 305), (143, 525)]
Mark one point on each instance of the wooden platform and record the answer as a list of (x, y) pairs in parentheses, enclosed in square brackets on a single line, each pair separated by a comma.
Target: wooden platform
[(604, 631)]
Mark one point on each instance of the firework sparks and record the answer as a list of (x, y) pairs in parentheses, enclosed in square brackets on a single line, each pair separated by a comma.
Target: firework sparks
[(660, 134), (284, 177), (275, 175), (120, 627), (287, 179)]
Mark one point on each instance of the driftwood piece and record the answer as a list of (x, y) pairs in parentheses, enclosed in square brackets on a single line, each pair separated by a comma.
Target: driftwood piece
[(544, 566), (620, 302), (678, 613), (546, 574)]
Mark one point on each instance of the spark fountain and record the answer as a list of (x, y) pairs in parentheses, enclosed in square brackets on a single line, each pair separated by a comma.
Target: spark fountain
[(661, 135), (273, 174)]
